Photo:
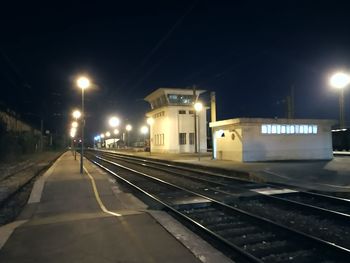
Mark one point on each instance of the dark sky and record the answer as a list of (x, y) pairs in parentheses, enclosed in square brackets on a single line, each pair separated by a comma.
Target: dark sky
[(249, 52)]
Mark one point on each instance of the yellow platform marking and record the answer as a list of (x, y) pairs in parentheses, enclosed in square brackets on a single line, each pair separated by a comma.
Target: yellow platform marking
[(97, 196)]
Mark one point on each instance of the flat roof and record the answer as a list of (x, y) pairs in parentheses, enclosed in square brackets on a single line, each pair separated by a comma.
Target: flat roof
[(239, 121)]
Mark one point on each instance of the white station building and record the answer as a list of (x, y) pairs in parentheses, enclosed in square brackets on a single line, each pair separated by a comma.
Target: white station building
[(255, 139), (173, 127)]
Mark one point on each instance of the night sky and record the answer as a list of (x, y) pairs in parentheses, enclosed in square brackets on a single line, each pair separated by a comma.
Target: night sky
[(250, 53)]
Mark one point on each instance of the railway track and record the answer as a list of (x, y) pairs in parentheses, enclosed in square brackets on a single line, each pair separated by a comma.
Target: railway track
[(326, 224), (239, 234)]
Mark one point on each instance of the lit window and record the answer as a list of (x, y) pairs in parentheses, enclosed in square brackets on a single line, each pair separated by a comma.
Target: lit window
[(301, 129), (273, 129), (283, 129), (268, 128), (293, 128), (278, 129), (310, 129), (288, 129)]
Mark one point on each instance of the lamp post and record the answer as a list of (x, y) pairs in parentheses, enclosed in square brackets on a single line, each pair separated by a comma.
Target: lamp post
[(102, 136), (150, 122), (114, 122), (198, 106), (144, 131), (115, 132), (128, 128), (76, 115), (340, 80), (83, 83)]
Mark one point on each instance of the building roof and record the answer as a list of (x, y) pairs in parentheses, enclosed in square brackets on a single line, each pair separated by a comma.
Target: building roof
[(239, 121), (163, 91)]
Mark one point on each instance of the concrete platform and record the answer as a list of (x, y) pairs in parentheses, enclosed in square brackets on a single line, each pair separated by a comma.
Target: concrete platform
[(88, 218), (332, 176)]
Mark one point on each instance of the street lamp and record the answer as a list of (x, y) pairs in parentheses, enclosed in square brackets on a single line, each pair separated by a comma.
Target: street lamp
[(340, 80), (198, 106), (76, 114), (108, 134), (114, 122), (128, 128), (75, 124), (83, 83)]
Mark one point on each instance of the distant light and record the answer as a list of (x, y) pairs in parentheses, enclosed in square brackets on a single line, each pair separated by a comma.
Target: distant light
[(102, 135), (128, 127), (198, 106), (108, 134), (76, 114), (83, 82), (74, 124), (150, 121), (98, 137), (144, 129), (339, 80), (114, 121), (73, 132), (116, 131)]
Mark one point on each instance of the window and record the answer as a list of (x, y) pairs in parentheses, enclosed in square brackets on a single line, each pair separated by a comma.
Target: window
[(180, 99), (182, 138), (288, 129), (182, 112), (162, 139), (159, 114), (191, 135)]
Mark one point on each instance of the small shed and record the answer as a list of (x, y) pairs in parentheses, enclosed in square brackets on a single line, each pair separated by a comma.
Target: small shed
[(258, 139)]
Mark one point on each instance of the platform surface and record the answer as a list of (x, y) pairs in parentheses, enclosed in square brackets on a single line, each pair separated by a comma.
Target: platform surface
[(66, 224)]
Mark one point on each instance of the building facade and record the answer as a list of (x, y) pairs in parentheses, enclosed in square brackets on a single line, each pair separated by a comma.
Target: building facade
[(173, 127), (255, 139)]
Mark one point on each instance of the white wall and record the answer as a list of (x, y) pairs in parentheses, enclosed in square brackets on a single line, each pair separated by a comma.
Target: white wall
[(230, 146), (248, 143), (265, 147), (173, 123)]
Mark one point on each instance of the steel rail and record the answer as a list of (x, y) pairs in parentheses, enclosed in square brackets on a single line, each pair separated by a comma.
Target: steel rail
[(319, 241)]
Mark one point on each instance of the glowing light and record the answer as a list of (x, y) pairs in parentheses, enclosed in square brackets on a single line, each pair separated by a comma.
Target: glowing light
[(114, 121), (76, 114), (116, 131), (339, 80), (198, 106), (73, 132), (108, 134), (83, 82), (128, 127), (144, 129), (150, 121), (74, 124), (102, 135)]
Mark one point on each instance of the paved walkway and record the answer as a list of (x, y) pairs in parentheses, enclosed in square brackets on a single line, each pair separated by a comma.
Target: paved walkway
[(75, 218)]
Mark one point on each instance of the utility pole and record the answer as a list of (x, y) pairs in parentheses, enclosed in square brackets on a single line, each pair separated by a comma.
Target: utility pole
[(290, 104), (195, 119), (213, 119)]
